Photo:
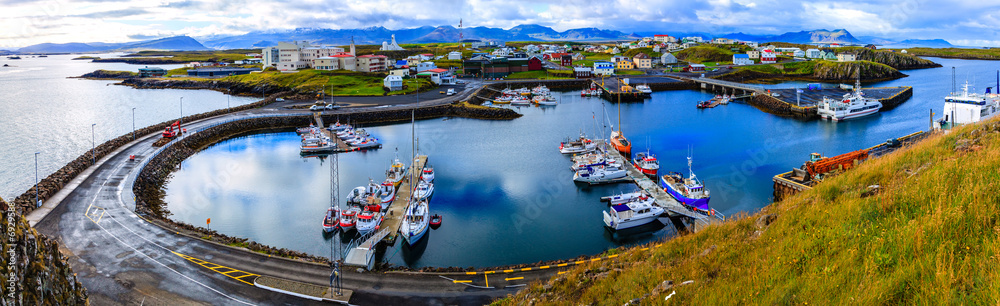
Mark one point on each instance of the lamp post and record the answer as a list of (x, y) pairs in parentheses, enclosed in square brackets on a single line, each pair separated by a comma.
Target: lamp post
[(37, 203), (182, 111), (93, 144), (133, 123)]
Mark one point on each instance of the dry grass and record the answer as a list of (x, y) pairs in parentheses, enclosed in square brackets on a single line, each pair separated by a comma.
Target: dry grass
[(929, 237)]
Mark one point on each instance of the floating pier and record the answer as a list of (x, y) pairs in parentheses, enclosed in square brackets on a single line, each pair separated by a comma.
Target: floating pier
[(341, 145)]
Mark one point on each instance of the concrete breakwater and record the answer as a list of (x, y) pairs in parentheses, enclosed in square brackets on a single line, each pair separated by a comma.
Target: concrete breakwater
[(51, 184), (148, 187), (229, 87), (34, 271), (786, 104)]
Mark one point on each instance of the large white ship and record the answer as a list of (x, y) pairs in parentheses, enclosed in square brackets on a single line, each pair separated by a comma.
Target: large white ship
[(965, 107), (853, 105)]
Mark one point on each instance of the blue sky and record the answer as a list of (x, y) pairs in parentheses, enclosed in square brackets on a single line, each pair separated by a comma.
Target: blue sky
[(961, 22)]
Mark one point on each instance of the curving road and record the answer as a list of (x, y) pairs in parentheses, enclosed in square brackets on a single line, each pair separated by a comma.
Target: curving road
[(124, 259)]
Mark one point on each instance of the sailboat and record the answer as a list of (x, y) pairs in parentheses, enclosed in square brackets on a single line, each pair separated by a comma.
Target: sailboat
[(417, 220), (618, 140)]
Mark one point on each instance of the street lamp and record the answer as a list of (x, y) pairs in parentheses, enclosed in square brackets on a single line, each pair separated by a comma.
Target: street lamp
[(93, 144), (37, 203), (182, 111), (133, 123)]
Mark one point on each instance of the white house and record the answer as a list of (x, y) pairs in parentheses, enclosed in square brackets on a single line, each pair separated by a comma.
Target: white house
[(604, 68), (768, 57), (813, 53), (846, 57), (502, 52), (799, 53), (753, 54), (298, 55), (615, 51), (424, 66), (454, 55), (393, 82), (667, 59), (722, 41), (742, 59), (696, 39)]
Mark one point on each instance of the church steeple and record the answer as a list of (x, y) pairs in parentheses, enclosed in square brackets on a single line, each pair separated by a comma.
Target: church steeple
[(352, 46)]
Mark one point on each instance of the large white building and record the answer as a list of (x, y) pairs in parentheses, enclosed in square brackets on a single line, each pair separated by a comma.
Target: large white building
[(391, 46), (298, 55)]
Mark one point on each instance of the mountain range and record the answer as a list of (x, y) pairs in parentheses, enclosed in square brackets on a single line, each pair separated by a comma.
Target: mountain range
[(429, 34)]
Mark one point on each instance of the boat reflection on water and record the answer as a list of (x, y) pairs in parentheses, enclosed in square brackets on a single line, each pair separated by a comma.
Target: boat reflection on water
[(642, 232), (412, 253)]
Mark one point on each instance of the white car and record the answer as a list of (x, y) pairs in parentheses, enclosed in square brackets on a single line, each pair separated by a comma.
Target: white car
[(280, 99), (451, 91), (320, 106)]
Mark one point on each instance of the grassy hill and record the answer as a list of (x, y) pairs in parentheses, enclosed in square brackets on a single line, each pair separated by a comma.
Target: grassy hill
[(334, 83), (986, 54), (930, 236), (814, 71), (705, 53)]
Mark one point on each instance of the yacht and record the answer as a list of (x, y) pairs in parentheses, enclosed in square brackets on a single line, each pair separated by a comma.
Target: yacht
[(332, 219), (600, 174), (349, 218), (689, 191), (428, 174), (415, 221), (644, 89), (368, 220), (581, 145), (424, 190), (387, 191), (966, 107), (618, 140), (595, 159), (631, 214), (625, 197), (647, 163), (852, 105)]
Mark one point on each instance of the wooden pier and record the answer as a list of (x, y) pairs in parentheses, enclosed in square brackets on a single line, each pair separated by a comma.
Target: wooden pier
[(615, 90), (394, 216), (341, 145), (671, 205)]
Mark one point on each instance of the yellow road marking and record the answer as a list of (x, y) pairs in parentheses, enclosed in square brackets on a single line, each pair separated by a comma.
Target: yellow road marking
[(508, 271), (525, 269), (489, 272), (543, 267), (612, 256), (596, 259), (513, 278), (461, 281), (216, 267), (643, 249), (470, 273), (487, 280), (579, 262), (562, 265), (562, 272)]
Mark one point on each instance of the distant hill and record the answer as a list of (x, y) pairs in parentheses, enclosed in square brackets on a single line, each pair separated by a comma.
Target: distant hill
[(801, 37), (935, 43), (176, 43)]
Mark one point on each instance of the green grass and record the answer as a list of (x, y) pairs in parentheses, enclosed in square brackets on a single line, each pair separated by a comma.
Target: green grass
[(334, 83), (541, 74), (198, 56), (629, 72), (930, 236), (705, 53), (991, 54)]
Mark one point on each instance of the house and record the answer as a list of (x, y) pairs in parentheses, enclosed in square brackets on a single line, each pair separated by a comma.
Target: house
[(799, 53), (579, 57), (326, 63), (567, 60), (768, 57), (402, 72), (642, 61), (534, 63), (624, 64), (656, 48), (846, 57), (553, 56), (696, 39), (871, 46), (583, 72), (722, 41), (421, 67), (642, 44), (603, 68), (152, 72), (517, 55), (438, 76), (647, 39), (813, 53), (664, 38), (753, 54), (401, 64), (426, 56), (393, 82), (454, 55), (219, 72), (668, 59), (502, 52), (751, 44), (695, 68), (616, 58), (297, 55), (615, 51), (371, 63), (346, 61), (742, 59), (689, 44)]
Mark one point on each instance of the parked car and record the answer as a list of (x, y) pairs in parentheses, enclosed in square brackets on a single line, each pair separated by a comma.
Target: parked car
[(321, 106), (451, 91), (280, 99)]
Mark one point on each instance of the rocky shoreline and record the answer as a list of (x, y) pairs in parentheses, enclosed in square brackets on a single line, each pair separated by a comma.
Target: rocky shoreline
[(822, 72)]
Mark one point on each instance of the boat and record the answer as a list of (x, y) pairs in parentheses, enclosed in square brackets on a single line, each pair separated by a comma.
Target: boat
[(368, 143), (581, 145), (547, 100), (436, 221), (631, 214), (600, 174), (647, 163), (349, 218), (424, 190), (5, 65), (396, 172), (365, 194), (966, 107), (317, 145), (690, 191), (618, 140), (595, 159), (331, 221), (368, 221), (852, 105), (520, 101), (644, 89), (387, 192), (339, 127), (305, 130), (415, 221), (625, 197), (427, 174), (503, 99), (540, 90)]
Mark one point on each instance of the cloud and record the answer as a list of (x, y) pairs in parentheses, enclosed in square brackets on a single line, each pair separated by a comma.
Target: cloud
[(114, 14)]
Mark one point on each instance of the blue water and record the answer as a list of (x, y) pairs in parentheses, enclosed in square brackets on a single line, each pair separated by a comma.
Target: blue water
[(45, 111), (505, 192)]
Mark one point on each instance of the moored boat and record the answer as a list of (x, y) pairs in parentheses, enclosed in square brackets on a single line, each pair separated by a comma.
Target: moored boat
[(595, 159), (368, 221), (631, 214), (415, 221), (396, 172), (600, 174), (349, 218), (968, 107), (625, 197), (423, 190), (387, 192), (647, 163), (331, 221), (852, 105), (581, 145), (427, 174), (689, 191)]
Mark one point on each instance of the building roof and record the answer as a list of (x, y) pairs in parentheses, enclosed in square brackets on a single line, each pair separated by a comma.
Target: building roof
[(661, 35), (342, 55), (641, 56), (151, 69), (697, 65), (741, 56), (438, 70)]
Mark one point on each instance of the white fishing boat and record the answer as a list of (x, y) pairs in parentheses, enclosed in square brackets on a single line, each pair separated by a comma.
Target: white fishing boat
[(331, 221), (625, 197), (305, 130), (503, 99), (644, 89), (541, 90), (424, 190), (364, 195), (600, 174), (317, 145), (387, 192), (631, 214), (396, 172), (968, 107), (427, 174), (337, 127), (349, 218), (368, 143), (547, 100), (415, 221), (520, 101), (581, 145), (852, 105), (368, 221), (595, 159)]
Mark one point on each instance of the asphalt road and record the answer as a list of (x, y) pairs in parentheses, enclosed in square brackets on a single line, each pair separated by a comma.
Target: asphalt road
[(123, 260)]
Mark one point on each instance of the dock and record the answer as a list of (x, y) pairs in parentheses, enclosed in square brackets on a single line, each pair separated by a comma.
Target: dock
[(341, 145), (664, 200), (362, 251), (615, 90)]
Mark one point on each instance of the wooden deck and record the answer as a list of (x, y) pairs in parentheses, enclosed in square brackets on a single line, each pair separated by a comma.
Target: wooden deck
[(394, 216)]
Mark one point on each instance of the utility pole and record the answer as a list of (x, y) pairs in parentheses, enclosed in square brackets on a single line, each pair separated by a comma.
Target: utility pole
[(93, 144), (182, 111), (37, 202), (133, 123), (335, 279)]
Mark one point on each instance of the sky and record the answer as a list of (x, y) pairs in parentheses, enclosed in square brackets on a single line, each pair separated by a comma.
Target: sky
[(961, 22)]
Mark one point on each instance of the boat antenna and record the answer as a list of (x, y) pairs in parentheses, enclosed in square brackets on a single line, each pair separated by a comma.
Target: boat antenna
[(689, 157)]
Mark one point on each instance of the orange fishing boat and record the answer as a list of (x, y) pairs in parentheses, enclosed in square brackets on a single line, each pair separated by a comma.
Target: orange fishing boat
[(618, 140)]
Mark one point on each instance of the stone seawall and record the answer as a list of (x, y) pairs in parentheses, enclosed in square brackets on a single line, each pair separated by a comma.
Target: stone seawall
[(42, 275), (148, 187), (55, 181), (229, 87), (775, 106)]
